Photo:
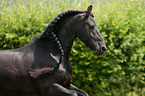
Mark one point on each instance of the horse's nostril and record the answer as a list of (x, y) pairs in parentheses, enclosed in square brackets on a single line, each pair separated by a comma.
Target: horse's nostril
[(104, 49)]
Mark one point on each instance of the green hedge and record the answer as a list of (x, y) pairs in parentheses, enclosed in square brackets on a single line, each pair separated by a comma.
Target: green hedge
[(119, 72)]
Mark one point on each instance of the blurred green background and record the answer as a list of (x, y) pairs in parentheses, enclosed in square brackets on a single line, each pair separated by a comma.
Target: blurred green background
[(119, 72)]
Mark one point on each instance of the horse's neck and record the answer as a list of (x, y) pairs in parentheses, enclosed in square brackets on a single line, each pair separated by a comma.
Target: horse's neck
[(66, 36)]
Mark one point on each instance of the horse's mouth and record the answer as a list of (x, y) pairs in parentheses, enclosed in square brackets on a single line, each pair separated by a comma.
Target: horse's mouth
[(98, 53)]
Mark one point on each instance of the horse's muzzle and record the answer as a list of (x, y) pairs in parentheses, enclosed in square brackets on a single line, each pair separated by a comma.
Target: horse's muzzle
[(101, 52)]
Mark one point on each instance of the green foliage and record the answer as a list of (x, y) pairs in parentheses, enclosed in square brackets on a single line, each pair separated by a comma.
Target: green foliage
[(119, 72)]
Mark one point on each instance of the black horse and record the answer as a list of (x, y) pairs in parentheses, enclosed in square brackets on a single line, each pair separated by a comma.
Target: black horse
[(42, 67)]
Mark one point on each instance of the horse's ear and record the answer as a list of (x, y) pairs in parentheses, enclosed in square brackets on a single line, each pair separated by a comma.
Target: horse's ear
[(87, 13)]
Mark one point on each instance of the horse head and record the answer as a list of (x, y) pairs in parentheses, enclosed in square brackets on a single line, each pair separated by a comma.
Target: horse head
[(87, 31)]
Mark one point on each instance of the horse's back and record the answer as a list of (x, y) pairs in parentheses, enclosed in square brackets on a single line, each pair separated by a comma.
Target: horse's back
[(14, 78), (10, 61)]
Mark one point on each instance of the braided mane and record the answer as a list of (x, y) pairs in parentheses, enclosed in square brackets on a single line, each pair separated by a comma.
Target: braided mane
[(49, 33), (56, 20), (49, 30)]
